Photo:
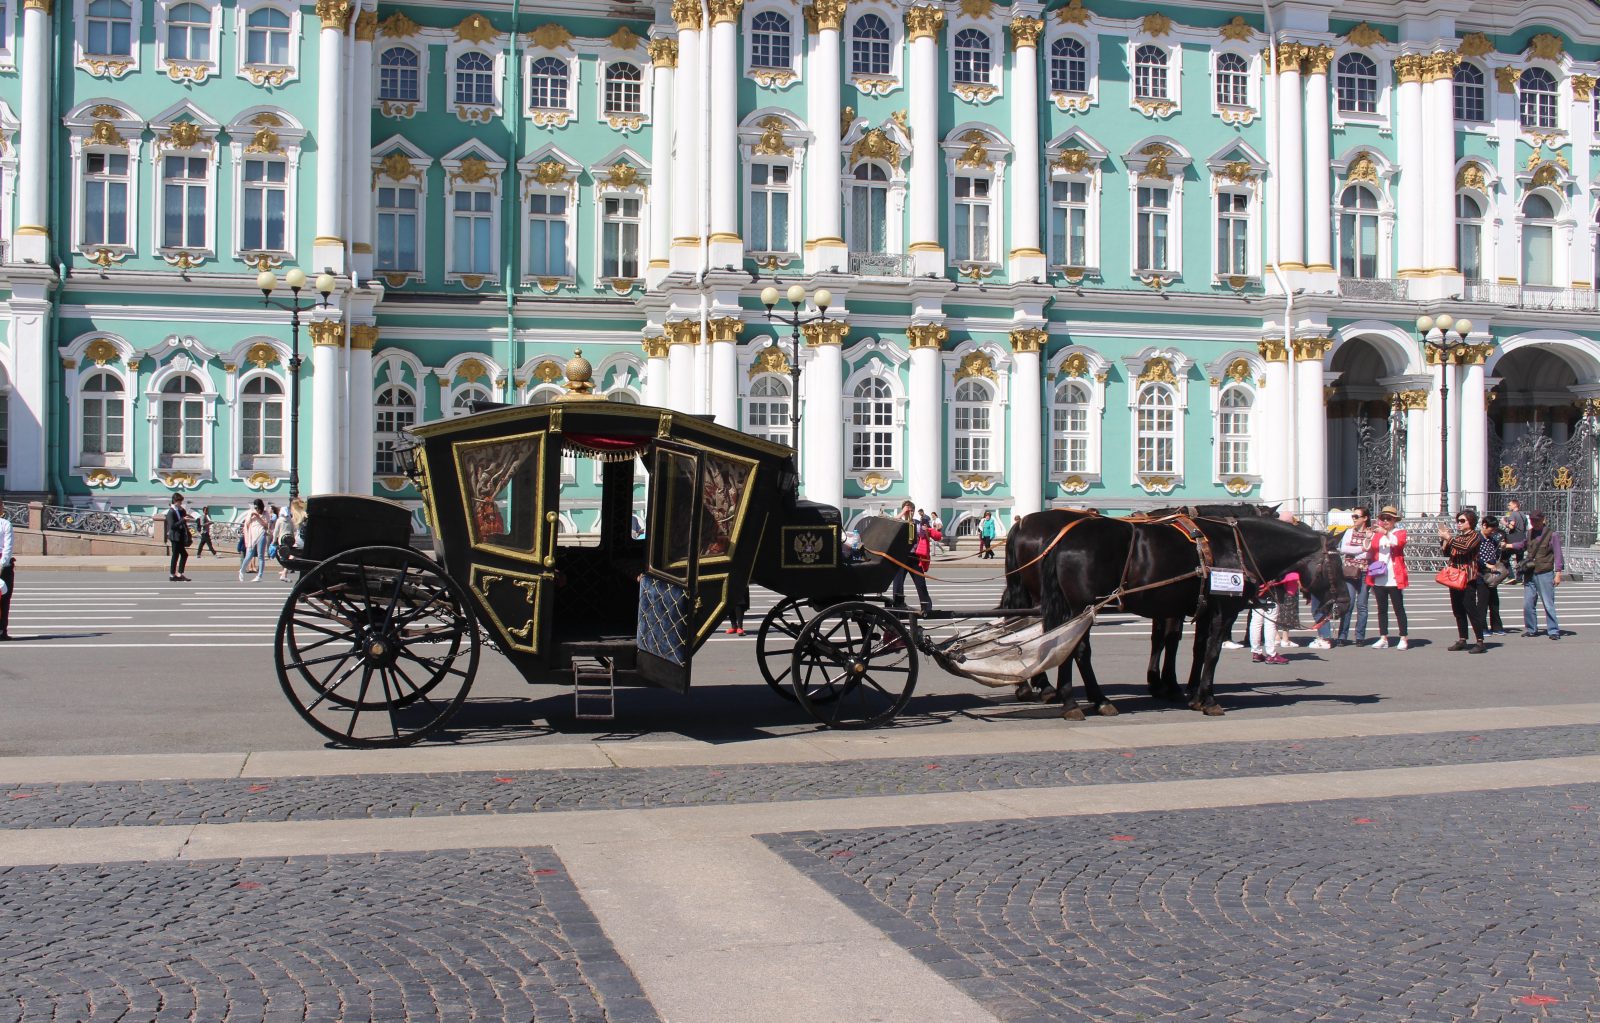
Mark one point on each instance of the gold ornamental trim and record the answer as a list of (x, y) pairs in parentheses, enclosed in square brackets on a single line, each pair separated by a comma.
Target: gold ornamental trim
[(1237, 30), (927, 335), (724, 329), (185, 135), (1475, 44), (261, 355), (265, 141), (977, 8), (1074, 13), (663, 52), (1506, 78), (1546, 46), (550, 172), (1408, 68), (1273, 349), (772, 142), (1025, 31), (1412, 400), (101, 67), (655, 346), (1312, 349), (875, 145), (1472, 176), (1582, 87), (683, 332), (826, 14), (1365, 35), (398, 167), (1362, 168), (1075, 366), (104, 133), (47, 6), (769, 360), (552, 37), (725, 12), (1156, 25), (1073, 161), (1317, 59), (622, 175), (100, 351), (686, 14), (924, 22), (1440, 67), (975, 364), (334, 13), (624, 38), (270, 77), (366, 26), (179, 480), (326, 333), (398, 26), (825, 332), (1157, 370), (475, 28), (363, 337)]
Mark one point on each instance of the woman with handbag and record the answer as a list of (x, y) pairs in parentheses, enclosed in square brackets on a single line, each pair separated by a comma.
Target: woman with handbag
[(1494, 572), (1462, 575), (1387, 575)]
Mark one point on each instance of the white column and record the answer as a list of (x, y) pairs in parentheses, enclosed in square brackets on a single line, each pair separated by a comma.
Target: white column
[(822, 477), (1291, 163), (359, 161), (1474, 431), (1311, 424), (663, 113), (1276, 485), (925, 423), (1319, 205), (1582, 122), (824, 236), (327, 361), (1027, 435), (1439, 161), (657, 383), (30, 396), (726, 246), (683, 337), (34, 139), (1409, 138), (327, 249), (927, 252), (686, 124), (1027, 257), (1422, 446), (1447, 371), (724, 355), (363, 337)]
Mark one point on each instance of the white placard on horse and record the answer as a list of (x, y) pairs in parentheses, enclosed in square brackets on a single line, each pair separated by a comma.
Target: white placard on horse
[(1227, 580)]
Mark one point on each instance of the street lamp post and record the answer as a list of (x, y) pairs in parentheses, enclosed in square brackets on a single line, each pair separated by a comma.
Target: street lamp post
[(326, 284), (797, 298), (1442, 346)]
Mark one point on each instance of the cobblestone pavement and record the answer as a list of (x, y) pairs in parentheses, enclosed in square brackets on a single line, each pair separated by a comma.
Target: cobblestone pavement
[(447, 936), (143, 803), (1481, 906)]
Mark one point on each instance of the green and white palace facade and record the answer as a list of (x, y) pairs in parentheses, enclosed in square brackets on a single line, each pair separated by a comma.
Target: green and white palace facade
[(1101, 252)]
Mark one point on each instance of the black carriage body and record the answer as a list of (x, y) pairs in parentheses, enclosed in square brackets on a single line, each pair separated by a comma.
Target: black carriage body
[(804, 554)]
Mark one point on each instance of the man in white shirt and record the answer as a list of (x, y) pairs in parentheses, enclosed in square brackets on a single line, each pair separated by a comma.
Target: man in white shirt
[(7, 550)]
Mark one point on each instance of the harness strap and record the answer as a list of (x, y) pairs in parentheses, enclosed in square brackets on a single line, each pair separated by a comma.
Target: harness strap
[(1052, 545)]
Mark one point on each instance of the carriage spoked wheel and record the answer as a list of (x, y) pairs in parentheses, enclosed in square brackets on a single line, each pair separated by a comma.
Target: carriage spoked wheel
[(854, 666), (376, 647)]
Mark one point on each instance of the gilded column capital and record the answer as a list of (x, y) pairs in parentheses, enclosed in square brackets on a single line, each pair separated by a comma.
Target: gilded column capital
[(825, 332), (927, 335), (334, 13), (724, 329), (686, 15), (326, 333), (1412, 401), (1582, 87), (683, 332), (924, 22), (366, 26), (1025, 31), (1317, 59), (1440, 66), (363, 336), (1507, 78), (663, 52), (1273, 349), (1473, 355), (655, 346), (1290, 55), (47, 6), (1408, 67), (1311, 349), (1029, 339), (725, 12), (826, 14)]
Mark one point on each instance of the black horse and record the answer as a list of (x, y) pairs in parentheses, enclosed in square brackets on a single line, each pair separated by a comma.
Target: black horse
[(1155, 566)]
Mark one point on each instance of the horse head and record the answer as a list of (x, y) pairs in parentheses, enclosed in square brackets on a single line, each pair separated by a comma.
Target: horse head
[(1274, 547)]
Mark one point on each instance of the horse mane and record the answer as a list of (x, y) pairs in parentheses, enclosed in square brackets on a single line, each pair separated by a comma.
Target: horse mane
[(1219, 511)]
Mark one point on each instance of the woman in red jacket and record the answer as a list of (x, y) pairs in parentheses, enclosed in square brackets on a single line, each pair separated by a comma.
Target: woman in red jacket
[(1387, 575)]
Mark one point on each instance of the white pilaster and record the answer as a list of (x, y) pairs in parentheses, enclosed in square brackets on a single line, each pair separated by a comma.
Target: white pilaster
[(683, 338), (34, 139), (1422, 447), (359, 162), (327, 249), (727, 249), (1474, 434), (1410, 138), (825, 245), (1452, 410), (1439, 164), (1319, 203), (31, 399), (925, 423), (1276, 486), (724, 355), (927, 252), (657, 381), (686, 124), (1291, 162), (823, 475), (327, 387), (1311, 424), (1027, 257), (1582, 259), (1027, 435), (359, 460), (663, 115)]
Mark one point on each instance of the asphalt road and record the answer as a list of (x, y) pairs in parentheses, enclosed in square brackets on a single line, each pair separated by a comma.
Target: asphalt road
[(130, 663)]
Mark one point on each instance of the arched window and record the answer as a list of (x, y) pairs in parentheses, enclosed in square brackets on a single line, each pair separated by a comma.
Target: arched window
[(261, 422), (475, 79), (396, 410), (1356, 84), (103, 420), (1069, 429), (1358, 233), (267, 41), (770, 41), (189, 33), (972, 426), (1471, 95), (972, 58), (622, 396), (1233, 431), (869, 209), (1233, 80), (399, 75), (869, 46), (108, 25), (1069, 66), (182, 420), (1469, 237), (872, 426), (547, 84), (1149, 72), (1157, 430), (1538, 241), (766, 411), (544, 394), (1538, 99), (623, 88), (461, 404)]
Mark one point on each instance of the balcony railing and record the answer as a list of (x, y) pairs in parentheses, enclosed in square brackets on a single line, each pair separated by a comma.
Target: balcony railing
[(880, 264), (1531, 296), (1377, 289)]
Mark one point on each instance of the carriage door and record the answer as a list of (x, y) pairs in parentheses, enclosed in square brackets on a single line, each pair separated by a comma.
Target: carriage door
[(667, 597)]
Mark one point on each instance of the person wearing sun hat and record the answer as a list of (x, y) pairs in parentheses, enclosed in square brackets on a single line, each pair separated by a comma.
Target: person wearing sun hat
[(1387, 575)]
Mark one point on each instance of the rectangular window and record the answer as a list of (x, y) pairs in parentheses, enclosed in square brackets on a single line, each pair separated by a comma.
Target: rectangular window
[(769, 207), (266, 205), (1154, 210), (547, 235), (181, 424), (619, 237), (1233, 449), (105, 199), (472, 222), (972, 219), (869, 219), (397, 228), (183, 201), (1233, 233), (1069, 223), (1156, 448), (110, 33), (871, 440), (971, 438), (1538, 255), (1069, 440)]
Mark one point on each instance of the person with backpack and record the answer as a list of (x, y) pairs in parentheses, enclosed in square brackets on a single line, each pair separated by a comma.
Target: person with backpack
[(202, 523), (178, 540)]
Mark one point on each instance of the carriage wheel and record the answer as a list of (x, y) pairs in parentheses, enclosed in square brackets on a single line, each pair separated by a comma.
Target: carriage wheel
[(775, 642), (376, 647), (854, 666)]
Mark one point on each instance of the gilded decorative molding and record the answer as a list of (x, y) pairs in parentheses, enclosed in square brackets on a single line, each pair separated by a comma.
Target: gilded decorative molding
[(398, 26), (47, 6), (1318, 59), (1475, 44), (1238, 370), (768, 360), (1238, 171), (1312, 349), (623, 38), (977, 8), (551, 36), (1471, 175), (472, 170), (100, 351), (725, 12), (1506, 78), (1032, 340), (1073, 161), (184, 135), (397, 166), (874, 85), (477, 29), (1156, 166), (1156, 25), (183, 259), (927, 335), (983, 482), (105, 110), (104, 133), (1157, 484), (1408, 67), (265, 141), (724, 329), (270, 77), (1289, 57), (1473, 355), (663, 52), (655, 346), (1546, 46), (334, 13), (825, 14), (875, 145), (1273, 349), (187, 71), (1025, 31), (1412, 401), (1364, 35), (1238, 486), (1157, 370), (1157, 108), (101, 67), (825, 332), (326, 333), (975, 364), (1546, 176), (550, 172), (686, 14), (366, 26), (874, 482), (261, 355), (977, 153), (772, 142), (363, 336), (683, 332), (179, 480), (1236, 30), (1441, 66), (1582, 87), (1074, 13), (1362, 168), (622, 175), (924, 22), (1075, 366)]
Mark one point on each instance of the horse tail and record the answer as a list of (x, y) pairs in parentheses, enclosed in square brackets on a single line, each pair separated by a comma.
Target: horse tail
[(1015, 595), (1052, 599)]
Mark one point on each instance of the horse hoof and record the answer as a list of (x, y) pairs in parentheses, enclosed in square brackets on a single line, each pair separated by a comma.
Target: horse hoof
[(1212, 710), (1025, 694), (1107, 710), (1073, 714)]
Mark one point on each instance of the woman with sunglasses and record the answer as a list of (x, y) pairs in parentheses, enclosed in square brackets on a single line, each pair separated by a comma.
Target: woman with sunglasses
[(1463, 549), (1387, 575)]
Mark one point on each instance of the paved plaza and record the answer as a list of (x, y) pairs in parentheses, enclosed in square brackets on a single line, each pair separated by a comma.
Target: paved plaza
[(1366, 836)]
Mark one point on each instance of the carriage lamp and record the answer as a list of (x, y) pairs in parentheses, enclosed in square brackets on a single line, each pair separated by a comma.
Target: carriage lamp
[(795, 319), (326, 285), (1442, 335)]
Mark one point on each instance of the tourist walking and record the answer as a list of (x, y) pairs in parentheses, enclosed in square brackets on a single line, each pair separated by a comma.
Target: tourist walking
[(202, 532), (1542, 565), (8, 576), (922, 551), (253, 534), (1355, 550), (986, 536), (1462, 551), (178, 538), (1387, 575), (1514, 524), (1494, 571)]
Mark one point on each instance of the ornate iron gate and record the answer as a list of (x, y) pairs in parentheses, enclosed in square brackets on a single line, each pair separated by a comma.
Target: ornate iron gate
[(1556, 478), (1381, 459)]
